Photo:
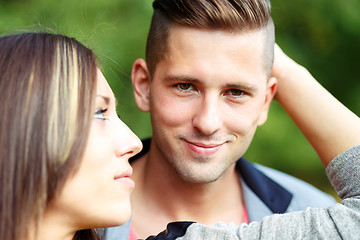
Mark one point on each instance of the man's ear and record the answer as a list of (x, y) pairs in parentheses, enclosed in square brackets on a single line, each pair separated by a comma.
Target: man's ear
[(140, 78), (270, 93)]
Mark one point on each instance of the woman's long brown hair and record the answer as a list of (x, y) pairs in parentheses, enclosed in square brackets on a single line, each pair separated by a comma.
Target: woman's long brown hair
[(47, 89)]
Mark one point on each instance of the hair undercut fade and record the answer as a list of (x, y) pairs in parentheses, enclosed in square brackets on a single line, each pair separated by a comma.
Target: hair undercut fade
[(234, 16)]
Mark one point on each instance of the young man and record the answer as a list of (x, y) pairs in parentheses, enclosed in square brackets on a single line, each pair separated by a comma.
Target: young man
[(207, 84), (331, 128)]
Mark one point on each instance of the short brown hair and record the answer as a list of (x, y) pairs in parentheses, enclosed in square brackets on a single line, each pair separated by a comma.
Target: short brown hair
[(47, 90), (228, 15)]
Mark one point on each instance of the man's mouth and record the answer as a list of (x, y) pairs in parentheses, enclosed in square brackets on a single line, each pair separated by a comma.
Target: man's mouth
[(204, 148)]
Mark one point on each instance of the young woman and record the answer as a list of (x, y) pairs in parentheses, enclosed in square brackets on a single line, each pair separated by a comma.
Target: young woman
[(63, 150)]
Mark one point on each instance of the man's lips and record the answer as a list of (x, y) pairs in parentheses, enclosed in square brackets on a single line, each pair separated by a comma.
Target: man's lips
[(203, 148)]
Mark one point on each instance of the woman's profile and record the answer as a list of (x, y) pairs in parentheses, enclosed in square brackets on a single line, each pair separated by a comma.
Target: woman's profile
[(64, 152)]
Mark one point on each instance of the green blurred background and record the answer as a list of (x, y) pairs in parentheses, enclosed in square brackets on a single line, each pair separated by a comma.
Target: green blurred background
[(322, 35)]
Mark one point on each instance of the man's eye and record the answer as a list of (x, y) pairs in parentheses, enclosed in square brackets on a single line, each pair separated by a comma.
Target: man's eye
[(99, 114), (236, 92), (184, 86)]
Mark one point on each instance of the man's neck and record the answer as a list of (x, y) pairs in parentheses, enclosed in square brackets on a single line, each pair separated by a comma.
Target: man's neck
[(162, 196)]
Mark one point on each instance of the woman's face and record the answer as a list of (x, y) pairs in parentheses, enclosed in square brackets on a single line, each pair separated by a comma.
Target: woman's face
[(98, 195)]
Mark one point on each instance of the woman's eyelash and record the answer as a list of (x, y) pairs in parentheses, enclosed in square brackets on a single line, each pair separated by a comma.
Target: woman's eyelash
[(99, 114)]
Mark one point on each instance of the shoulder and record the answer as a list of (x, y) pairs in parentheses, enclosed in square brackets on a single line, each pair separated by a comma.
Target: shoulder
[(304, 194), (117, 233)]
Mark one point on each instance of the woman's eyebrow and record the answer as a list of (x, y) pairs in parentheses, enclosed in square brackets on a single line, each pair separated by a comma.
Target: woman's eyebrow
[(106, 99)]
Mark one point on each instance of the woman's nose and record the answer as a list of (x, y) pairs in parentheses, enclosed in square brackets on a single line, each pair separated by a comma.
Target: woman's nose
[(127, 143)]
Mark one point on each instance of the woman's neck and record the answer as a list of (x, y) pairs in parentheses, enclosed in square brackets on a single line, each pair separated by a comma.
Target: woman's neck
[(53, 227)]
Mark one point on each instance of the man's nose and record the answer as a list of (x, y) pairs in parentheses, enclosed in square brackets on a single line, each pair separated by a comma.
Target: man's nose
[(207, 115)]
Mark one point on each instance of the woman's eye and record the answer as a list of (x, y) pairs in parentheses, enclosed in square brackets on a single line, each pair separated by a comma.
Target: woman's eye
[(99, 114), (184, 86)]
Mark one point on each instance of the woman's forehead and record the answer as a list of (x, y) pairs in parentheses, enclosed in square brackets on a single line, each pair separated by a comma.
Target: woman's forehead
[(103, 87)]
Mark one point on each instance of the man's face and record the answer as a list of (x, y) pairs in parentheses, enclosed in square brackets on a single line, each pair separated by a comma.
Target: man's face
[(207, 97)]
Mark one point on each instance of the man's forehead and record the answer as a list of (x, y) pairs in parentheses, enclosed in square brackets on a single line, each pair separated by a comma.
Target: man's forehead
[(209, 40), (176, 28)]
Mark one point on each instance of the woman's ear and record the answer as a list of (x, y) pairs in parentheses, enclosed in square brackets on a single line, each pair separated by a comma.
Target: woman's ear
[(270, 93), (140, 78)]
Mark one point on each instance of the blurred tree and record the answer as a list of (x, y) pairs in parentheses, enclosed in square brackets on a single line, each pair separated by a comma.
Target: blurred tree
[(322, 35)]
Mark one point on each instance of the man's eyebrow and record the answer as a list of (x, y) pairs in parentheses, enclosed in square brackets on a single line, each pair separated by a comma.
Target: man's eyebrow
[(185, 78), (246, 87)]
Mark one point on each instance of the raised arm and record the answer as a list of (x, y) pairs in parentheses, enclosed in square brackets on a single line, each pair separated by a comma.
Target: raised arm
[(328, 125)]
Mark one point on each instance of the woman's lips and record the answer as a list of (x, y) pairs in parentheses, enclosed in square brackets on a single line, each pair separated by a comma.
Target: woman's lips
[(125, 178)]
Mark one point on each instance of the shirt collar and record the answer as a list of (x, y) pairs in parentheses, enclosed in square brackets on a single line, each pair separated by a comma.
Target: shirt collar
[(274, 196)]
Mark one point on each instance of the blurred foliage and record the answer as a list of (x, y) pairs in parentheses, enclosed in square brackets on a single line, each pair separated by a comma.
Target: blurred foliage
[(322, 35)]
